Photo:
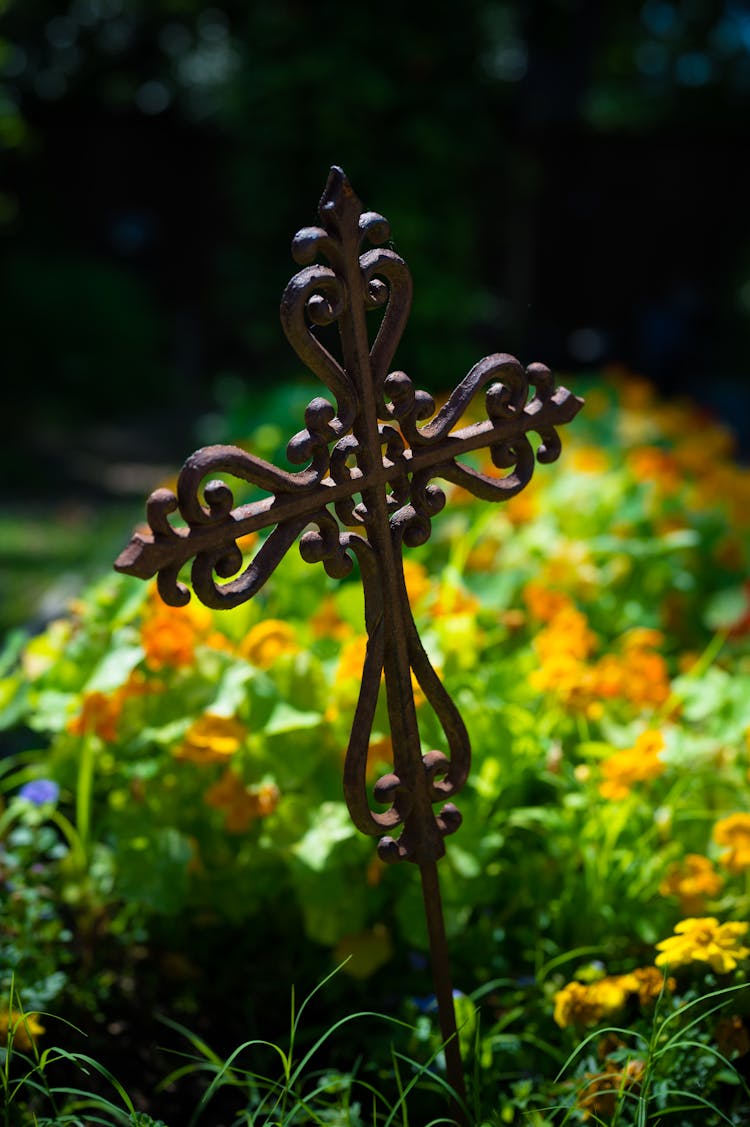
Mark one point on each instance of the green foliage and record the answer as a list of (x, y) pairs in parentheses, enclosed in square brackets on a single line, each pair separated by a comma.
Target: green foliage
[(592, 635)]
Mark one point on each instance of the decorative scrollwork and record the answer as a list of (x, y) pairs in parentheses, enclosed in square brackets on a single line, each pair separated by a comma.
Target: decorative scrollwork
[(368, 487)]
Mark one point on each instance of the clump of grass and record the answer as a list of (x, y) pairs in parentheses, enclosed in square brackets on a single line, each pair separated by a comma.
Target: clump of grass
[(294, 1094)]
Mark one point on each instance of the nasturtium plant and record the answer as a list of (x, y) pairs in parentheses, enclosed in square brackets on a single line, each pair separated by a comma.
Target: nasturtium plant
[(595, 636)]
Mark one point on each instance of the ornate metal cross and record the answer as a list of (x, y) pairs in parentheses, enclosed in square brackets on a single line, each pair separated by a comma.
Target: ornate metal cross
[(367, 490)]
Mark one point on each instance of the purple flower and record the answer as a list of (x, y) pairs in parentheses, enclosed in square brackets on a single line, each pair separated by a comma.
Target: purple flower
[(40, 791)]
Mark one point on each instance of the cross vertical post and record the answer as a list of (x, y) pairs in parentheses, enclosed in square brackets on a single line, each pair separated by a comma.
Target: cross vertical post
[(366, 491)]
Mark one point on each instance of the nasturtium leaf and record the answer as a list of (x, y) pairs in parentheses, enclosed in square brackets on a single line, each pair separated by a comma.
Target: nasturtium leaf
[(331, 824), (114, 669), (286, 718)]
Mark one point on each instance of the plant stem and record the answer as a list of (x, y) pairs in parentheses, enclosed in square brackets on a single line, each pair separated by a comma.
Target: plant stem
[(84, 791)]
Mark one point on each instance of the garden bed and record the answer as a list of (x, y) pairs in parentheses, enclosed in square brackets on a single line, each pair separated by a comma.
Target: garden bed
[(178, 860)]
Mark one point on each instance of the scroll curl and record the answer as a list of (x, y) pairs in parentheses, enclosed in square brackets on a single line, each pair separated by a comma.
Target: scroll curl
[(318, 293)]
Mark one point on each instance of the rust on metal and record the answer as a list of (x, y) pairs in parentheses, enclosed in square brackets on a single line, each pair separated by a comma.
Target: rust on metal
[(371, 460)]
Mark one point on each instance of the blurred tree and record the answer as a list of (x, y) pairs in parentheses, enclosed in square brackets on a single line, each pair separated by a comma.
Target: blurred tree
[(553, 172)]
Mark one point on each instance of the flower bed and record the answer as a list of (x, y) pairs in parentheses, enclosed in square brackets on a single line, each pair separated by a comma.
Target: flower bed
[(174, 838)]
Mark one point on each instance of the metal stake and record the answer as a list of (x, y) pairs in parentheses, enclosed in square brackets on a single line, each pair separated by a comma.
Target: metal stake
[(367, 490)]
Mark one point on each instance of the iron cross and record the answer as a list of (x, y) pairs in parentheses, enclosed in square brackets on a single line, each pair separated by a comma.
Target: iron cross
[(367, 490)]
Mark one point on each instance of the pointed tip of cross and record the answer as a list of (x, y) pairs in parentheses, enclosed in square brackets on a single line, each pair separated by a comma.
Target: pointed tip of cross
[(338, 194)]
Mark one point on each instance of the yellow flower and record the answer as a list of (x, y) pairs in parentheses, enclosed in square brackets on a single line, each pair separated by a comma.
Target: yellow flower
[(239, 803), (693, 879), (734, 831), (211, 739), (588, 459), (267, 641), (634, 765), (582, 1004), (22, 1028), (417, 580), (585, 1004), (704, 940), (352, 659)]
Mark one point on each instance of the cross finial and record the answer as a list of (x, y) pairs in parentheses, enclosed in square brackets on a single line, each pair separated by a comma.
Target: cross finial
[(368, 488)]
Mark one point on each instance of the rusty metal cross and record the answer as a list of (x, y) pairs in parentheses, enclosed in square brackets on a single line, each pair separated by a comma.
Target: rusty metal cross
[(367, 490)]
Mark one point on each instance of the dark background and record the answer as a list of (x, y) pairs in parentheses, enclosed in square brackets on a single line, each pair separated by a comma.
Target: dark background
[(568, 181)]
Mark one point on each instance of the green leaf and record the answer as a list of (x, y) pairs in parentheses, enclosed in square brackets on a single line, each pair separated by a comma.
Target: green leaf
[(233, 689), (286, 718), (332, 825), (114, 669), (52, 710)]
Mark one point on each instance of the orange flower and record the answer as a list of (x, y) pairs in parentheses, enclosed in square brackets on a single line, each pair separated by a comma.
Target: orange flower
[(194, 613), (239, 803), (267, 641), (634, 765), (734, 831), (639, 675), (693, 880), (567, 635), (565, 676), (328, 623), (98, 716), (522, 508), (211, 739), (657, 466), (169, 635), (247, 543), (168, 640)]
